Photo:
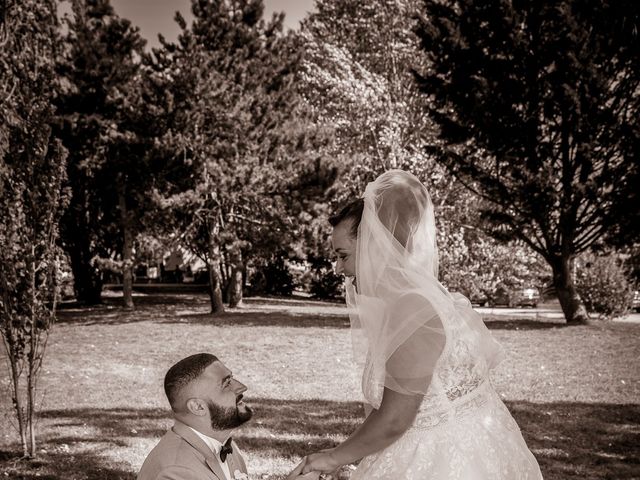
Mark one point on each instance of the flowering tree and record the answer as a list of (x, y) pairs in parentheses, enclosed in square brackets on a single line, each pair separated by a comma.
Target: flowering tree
[(476, 265), (358, 75), (32, 169), (359, 80)]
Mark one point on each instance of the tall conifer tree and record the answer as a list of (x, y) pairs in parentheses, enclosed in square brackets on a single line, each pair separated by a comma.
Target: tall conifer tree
[(537, 104)]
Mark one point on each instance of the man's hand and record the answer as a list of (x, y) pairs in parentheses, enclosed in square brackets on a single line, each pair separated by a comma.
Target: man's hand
[(306, 476), (323, 462), (297, 474)]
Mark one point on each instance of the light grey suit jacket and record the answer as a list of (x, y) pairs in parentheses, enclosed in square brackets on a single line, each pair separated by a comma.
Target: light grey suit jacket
[(182, 455)]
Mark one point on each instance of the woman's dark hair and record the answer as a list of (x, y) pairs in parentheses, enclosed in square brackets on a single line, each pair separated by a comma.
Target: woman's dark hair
[(352, 211)]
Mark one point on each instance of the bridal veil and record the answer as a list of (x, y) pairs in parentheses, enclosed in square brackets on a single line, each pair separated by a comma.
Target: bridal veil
[(402, 318)]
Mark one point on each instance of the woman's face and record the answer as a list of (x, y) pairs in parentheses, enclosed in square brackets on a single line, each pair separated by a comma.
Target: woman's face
[(344, 244)]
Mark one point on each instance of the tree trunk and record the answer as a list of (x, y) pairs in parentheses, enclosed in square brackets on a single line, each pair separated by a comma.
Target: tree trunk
[(32, 367), (77, 237), (17, 399), (87, 280), (31, 401), (570, 301), (215, 290), (236, 281), (127, 251)]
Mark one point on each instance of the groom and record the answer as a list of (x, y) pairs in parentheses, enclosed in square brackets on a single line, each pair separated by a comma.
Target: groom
[(207, 405)]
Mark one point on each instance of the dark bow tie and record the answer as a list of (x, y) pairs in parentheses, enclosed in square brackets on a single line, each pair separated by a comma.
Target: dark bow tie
[(226, 449)]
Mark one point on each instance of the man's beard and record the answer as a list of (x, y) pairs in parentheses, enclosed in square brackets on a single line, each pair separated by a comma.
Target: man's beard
[(228, 418)]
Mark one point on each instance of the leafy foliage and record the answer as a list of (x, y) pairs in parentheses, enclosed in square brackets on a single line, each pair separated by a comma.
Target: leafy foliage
[(106, 124), (476, 265), (603, 283), (32, 170), (535, 104), (358, 76), (242, 131), (274, 278), (325, 283), (359, 80)]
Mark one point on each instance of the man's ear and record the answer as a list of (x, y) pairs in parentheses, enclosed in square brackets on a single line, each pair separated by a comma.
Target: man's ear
[(196, 407)]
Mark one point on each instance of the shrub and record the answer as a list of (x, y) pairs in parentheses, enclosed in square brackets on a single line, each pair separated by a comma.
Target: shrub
[(603, 284), (274, 278), (326, 284)]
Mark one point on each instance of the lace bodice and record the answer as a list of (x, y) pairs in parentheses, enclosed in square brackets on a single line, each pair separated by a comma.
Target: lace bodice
[(459, 372), (462, 430)]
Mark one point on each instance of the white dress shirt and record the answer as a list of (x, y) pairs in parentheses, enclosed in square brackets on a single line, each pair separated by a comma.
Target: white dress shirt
[(215, 447)]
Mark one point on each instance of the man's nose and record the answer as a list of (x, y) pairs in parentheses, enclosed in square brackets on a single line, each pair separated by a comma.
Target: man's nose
[(240, 387)]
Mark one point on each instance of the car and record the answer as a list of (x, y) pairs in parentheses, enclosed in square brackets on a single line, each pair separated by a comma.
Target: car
[(501, 296), (528, 297), (478, 299), (514, 297)]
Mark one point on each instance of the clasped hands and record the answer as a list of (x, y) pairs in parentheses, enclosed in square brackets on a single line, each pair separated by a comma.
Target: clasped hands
[(321, 465)]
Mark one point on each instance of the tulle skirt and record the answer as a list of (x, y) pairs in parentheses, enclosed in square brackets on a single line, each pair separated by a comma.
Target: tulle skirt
[(477, 440)]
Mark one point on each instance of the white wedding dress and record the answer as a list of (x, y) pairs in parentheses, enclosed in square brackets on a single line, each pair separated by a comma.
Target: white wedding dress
[(412, 336), (463, 430)]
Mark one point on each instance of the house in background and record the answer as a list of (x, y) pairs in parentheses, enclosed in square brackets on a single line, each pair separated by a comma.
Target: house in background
[(178, 266)]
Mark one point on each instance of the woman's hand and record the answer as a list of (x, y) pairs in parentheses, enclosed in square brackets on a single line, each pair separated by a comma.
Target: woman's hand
[(324, 462)]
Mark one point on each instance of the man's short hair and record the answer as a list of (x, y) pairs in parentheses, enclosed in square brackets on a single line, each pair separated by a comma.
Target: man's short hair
[(184, 372), (352, 211)]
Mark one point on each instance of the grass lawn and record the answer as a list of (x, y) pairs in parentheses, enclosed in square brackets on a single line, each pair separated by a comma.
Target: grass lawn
[(575, 391)]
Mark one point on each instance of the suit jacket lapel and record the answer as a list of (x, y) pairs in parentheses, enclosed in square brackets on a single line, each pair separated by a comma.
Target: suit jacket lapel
[(214, 465), (233, 465), (196, 442), (236, 462)]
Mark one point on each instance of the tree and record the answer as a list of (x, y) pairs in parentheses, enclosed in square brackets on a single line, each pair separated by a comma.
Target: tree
[(241, 129), (356, 77), (604, 284), (359, 81), (109, 133), (476, 265), (32, 170), (536, 104)]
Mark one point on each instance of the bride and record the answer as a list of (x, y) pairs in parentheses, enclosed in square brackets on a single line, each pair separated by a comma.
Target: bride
[(431, 411)]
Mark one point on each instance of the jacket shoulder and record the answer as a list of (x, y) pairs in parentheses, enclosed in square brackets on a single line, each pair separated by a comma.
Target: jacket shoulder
[(172, 459)]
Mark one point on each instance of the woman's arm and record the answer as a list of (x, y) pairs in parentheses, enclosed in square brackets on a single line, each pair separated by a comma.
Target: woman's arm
[(381, 428), (408, 370)]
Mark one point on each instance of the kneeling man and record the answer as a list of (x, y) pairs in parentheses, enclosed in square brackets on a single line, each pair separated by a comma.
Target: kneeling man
[(207, 405)]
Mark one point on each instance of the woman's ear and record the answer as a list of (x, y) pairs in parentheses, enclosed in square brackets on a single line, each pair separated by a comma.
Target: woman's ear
[(196, 407)]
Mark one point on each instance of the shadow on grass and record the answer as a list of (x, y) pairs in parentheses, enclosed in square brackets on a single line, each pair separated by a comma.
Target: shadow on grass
[(238, 318), (582, 440), (111, 312), (570, 440), (194, 309), (115, 423), (494, 323), (59, 466), (546, 324), (312, 419)]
